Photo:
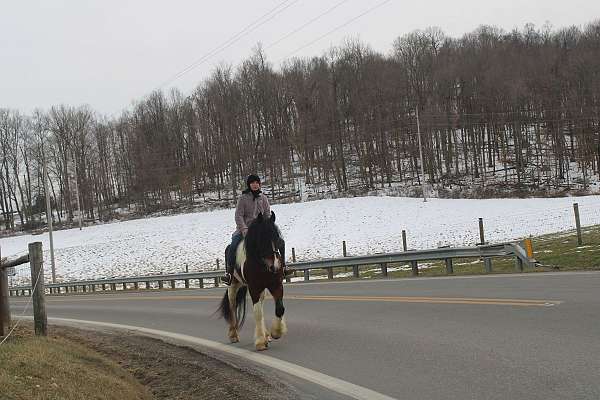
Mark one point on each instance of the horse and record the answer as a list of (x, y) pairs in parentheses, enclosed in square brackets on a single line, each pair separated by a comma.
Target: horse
[(258, 268)]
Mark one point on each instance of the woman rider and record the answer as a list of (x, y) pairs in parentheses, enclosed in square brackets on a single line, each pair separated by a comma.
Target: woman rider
[(251, 203)]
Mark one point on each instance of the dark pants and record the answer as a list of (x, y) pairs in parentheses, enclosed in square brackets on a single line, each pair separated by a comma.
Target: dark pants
[(236, 238)]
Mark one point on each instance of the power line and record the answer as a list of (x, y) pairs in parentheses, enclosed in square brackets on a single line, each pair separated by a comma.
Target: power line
[(338, 28), (249, 28), (306, 24)]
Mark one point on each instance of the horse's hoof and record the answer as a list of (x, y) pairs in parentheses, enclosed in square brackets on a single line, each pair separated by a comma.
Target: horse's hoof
[(262, 346), (270, 338), (275, 336), (234, 339)]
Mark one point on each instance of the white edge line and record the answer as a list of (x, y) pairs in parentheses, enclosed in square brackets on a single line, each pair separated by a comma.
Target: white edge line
[(334, 384)]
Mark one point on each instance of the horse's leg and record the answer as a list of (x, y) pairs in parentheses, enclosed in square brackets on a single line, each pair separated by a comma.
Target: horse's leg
[(278, 327), (231, 294), (260, 335)]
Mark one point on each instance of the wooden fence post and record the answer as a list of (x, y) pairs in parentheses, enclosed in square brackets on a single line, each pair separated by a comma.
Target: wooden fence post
[(36, 260), (487, 262), (4, 308), (404, 247), (344, 253), (577, 224), (481, 232), (287, 279)]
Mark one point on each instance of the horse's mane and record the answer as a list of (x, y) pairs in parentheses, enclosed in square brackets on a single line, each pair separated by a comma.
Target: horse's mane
[(261, 233)]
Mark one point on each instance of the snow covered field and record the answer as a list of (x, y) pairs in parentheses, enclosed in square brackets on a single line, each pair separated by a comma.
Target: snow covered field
[(315, 229)]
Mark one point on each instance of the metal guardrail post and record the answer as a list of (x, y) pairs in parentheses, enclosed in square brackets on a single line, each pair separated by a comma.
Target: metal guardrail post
[(415, 268), (384, 270), (487, 262), (518, 264), (449, 266)]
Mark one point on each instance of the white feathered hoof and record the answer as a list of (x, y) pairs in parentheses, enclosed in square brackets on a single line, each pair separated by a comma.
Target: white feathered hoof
[(279, 328), (233, 335), (261, 344)]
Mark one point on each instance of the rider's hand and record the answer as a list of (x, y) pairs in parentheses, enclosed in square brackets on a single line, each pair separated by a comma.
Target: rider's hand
[(244, 231)]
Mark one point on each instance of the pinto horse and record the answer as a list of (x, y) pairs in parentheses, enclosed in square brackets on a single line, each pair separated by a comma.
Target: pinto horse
[(258, 268)]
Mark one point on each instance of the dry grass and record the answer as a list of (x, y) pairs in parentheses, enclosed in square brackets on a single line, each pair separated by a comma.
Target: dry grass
[(35, 368)]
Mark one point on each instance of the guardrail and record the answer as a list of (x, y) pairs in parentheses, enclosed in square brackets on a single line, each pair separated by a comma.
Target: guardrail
[(511, 249)]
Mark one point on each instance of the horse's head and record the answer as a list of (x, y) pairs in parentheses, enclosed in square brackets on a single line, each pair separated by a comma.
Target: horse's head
[(263, 241)]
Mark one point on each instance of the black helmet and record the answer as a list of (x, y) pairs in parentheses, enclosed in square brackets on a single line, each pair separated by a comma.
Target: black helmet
[(252, 178)]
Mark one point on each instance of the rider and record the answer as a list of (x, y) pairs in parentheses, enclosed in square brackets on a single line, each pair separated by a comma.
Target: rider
[(251, 203)]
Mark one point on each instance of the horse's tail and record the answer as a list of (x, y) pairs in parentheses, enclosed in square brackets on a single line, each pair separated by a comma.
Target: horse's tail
[(240, 302), (224, 308)]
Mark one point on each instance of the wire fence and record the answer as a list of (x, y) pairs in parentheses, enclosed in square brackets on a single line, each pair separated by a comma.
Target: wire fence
[(22, 270)]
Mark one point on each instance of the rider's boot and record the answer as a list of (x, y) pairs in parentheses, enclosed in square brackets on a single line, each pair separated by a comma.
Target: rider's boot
[(226, 279), (287, 272)]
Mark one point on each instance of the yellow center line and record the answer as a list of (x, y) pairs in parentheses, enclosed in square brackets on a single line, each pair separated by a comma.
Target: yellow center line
[(396, 299)]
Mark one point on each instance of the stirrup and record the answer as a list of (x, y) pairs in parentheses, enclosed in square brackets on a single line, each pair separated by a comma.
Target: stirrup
[(226, 279)]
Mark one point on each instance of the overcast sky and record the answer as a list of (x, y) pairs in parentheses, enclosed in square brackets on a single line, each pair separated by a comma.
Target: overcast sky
[(109, 53)]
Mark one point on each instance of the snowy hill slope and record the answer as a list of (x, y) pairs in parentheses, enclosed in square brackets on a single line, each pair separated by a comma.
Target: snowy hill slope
[(315, 229)]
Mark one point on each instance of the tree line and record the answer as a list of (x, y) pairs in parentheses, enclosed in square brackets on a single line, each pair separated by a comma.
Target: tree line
[(500, 111)]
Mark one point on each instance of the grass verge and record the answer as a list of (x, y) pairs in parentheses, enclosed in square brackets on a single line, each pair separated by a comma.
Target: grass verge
[(36, 368)]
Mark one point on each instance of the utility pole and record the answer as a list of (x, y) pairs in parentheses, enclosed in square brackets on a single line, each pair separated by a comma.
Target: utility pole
[(49, 215), (421, 156), (79, 216)]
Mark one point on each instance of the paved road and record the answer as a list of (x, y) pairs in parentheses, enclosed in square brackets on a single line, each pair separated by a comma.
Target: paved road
[(529, 336)]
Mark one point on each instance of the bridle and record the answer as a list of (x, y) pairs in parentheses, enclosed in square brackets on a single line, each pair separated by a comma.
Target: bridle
[(276, 259)]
